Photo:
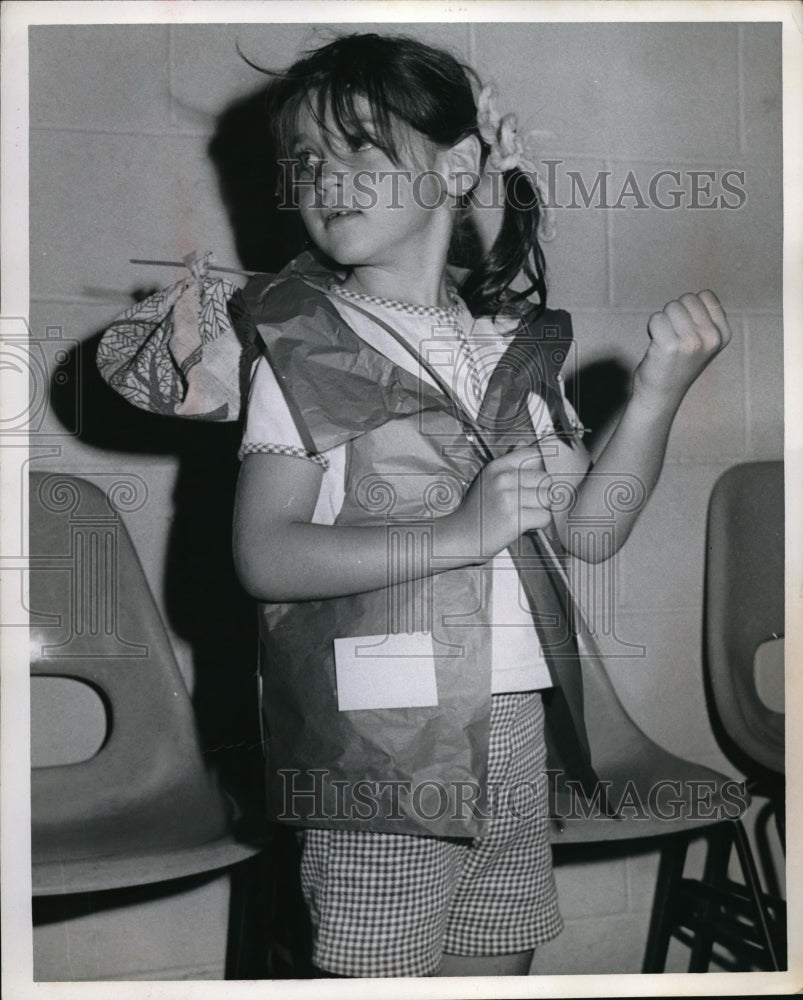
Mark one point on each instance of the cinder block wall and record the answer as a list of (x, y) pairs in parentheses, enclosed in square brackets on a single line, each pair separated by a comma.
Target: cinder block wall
[(121, 118)]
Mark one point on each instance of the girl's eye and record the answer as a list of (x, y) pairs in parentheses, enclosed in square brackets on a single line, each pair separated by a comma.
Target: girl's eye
[(308, 164), (342, 147)]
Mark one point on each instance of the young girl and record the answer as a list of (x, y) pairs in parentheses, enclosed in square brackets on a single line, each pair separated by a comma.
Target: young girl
[(406, 460)]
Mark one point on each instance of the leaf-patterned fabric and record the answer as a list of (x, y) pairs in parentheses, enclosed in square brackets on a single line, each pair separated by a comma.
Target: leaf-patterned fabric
[(185, 350)]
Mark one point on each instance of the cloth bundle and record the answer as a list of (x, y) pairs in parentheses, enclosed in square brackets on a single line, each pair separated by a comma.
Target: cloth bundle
[(184, 351)]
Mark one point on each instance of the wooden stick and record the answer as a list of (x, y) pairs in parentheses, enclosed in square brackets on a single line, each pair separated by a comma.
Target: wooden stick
[(180, 263)]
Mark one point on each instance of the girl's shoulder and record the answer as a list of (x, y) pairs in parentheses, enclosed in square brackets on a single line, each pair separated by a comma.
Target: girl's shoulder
[(304, 271), (299, 293), (534, 323)]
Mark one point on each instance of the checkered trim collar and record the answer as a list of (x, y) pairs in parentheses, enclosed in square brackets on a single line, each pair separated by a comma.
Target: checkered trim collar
[(293, 451), (448, 314)]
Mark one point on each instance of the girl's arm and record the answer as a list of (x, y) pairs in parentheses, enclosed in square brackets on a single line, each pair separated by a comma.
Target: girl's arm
[(684, 337), (281, 555)]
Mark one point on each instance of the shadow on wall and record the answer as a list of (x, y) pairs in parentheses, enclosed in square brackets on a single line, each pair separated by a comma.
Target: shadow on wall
[(266, 236), (605, 390)]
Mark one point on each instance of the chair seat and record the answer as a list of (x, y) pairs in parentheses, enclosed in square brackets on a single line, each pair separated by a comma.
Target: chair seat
[(655, 793), (103, 871)]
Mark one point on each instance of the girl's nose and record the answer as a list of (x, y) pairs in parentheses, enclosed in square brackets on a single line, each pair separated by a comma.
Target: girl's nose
[(330, 176)]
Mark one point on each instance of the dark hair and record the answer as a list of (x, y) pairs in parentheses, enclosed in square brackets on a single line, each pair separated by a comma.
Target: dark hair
[(430, 91)]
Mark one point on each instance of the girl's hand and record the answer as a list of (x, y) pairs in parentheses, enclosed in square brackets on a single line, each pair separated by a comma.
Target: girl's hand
[(684, 337), (508, 497)]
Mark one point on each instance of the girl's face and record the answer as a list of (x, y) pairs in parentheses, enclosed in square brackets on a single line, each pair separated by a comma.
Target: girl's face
[(359, 207)]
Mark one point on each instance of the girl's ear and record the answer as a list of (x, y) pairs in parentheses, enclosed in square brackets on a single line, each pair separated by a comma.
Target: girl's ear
[(462, 163)]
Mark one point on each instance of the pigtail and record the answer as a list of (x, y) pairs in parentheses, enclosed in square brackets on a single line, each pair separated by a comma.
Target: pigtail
[(515, 252)]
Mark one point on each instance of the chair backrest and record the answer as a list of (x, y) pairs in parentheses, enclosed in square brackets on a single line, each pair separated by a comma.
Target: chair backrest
[(744, 603), (93, 619), (656, 791)]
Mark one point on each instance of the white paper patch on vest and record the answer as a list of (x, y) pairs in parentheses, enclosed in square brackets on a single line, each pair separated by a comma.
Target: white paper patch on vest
[(385, 671)]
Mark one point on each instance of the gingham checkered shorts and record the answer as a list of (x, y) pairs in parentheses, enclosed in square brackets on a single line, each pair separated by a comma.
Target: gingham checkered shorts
[(384, 904)]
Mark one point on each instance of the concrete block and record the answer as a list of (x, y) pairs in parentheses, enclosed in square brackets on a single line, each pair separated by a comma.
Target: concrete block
[(765, 402), (641, 871), (591, 888), (99, 200), (199, 94), (595, 946), (762, 90), (659, 254), (577, 258), (637, 90), (208, 73), (99, 76), (661, 564), (711, 422), (604, 333), (172, 932)]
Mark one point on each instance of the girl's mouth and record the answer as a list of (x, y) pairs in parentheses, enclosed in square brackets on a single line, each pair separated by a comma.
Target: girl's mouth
[(335, 215)]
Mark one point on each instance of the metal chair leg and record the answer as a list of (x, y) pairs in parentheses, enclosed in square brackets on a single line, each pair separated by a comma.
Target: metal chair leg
[(248, 941), (670, 872), (763, 851), (715, 873), (702, 906), (780, 820), (750, 873)]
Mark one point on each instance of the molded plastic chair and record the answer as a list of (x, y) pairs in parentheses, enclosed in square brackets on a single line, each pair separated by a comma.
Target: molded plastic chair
[(144, 808), (662, 795), (744, 606)]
